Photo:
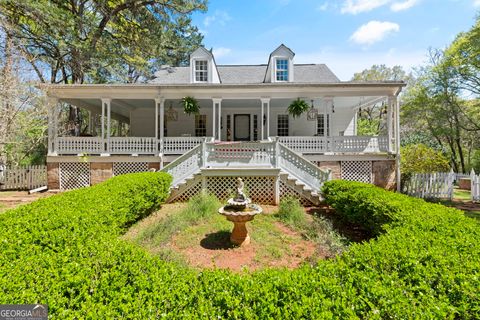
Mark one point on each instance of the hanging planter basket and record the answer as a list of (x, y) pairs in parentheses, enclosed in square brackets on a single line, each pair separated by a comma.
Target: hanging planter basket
[(298, 107), (190, 105)]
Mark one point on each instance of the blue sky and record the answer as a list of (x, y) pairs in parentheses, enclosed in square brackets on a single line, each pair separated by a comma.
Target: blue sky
[(347, 35)]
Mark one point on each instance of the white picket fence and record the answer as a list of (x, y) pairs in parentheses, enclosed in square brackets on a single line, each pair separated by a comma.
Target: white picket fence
[(475, 186), (23, 178), (431, 185)]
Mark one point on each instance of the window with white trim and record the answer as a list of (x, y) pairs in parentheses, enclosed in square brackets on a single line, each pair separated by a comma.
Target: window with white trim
[(200, 125), (281, 69), (201, 70), (323, 125), (282, 125)]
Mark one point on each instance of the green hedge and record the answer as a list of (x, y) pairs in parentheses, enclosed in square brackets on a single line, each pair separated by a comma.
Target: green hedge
[(66, 251)]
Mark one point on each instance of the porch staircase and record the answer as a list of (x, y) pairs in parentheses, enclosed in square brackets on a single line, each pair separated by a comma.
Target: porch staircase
[(294, 174)]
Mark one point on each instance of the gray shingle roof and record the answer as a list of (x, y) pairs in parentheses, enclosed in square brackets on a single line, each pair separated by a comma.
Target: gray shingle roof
[(248, 74)]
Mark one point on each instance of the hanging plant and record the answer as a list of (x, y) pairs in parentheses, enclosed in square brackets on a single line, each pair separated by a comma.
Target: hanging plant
[(298, 107), (190, 105)]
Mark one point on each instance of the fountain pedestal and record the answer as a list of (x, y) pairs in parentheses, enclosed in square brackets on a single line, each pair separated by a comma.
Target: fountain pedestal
[(239, 210)]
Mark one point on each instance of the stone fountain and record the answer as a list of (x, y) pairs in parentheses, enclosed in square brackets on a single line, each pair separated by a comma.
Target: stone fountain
[(240, 210)]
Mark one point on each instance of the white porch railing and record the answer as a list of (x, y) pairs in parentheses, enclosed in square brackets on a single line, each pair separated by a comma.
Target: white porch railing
[(240, 154), (77, 145), (180, 145), (314, 144), (136, 145)]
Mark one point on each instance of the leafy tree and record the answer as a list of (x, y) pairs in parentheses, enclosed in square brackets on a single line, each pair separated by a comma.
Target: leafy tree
[(462, 56), (434, 104), (372, 120), (98, 40)]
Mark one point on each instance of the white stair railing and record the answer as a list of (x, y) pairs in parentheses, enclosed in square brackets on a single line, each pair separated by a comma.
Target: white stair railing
[(247, 154), (301, 168), (186, 165)]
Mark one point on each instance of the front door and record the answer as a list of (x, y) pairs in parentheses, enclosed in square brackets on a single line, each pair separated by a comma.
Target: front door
[(241, 127)]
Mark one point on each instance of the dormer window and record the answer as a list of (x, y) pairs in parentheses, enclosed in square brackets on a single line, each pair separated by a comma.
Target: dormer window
[(281, 70), (201, 71)]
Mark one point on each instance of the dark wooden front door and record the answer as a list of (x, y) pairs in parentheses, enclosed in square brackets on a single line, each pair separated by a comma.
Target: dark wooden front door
[(241, 127)]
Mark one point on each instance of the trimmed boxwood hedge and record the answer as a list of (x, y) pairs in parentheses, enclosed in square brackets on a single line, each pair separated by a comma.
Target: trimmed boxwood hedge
[(65, 251)]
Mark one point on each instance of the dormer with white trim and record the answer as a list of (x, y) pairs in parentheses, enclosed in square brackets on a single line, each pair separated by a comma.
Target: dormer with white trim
[(280, 65), (203, 68)]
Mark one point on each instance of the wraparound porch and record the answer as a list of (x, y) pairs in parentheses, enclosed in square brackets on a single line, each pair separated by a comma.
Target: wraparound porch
[(180, 145)]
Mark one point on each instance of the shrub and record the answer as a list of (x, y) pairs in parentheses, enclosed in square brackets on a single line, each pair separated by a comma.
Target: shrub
[(65, 251), (422, 159), (291, 212)]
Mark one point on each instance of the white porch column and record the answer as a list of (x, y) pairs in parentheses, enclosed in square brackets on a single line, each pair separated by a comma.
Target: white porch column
[(52, 105), (266, 107), (262, 130), (390, 108), (219, 131), (216, 102), (397, 141), (106, 104), (159, 123)]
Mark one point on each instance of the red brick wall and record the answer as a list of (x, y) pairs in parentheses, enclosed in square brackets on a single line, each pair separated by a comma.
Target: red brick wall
[(100, 171), (53, 177)]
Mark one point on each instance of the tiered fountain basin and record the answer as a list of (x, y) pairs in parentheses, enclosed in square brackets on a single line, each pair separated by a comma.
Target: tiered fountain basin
[(240, 211)]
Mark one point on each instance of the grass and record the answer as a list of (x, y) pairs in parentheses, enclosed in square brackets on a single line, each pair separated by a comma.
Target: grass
[(460, 194), (284, 237)]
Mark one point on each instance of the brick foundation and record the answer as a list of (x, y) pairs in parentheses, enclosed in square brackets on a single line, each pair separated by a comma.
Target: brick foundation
[(53, 177), (384, 174), (100, 171), (332, 165)]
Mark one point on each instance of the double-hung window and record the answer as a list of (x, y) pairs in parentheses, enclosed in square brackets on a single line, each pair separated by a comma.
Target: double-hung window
[(281, 70), (201, 71), (323, 125)]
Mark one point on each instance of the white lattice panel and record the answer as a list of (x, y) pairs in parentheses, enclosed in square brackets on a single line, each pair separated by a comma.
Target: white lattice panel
[(129, 167), (259, 189), (357, 171), (74, 175), (185, 195), (286, 190)]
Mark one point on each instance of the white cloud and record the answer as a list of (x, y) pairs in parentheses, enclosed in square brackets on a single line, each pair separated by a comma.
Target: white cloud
[(323, 7), (357, 6), (404, 5), (221, 52), (374, 31), (219, 17), (476, 3)]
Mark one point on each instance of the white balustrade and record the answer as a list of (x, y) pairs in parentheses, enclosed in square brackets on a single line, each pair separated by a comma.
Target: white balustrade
[(133, 145), (77, 145), (180, 145), (300, 168), (357, 144), (236, 154), (186, 165)]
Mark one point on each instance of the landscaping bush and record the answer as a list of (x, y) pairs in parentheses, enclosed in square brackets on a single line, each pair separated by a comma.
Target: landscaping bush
[(65, 251)]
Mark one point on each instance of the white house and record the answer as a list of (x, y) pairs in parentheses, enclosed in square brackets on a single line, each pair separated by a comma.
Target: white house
[(242, 129)]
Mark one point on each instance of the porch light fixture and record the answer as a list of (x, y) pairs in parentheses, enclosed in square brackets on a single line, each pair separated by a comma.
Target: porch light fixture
[(312, 113), (172, 114)]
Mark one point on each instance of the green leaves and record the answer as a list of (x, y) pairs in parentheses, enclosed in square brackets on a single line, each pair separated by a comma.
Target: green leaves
[(65, 251), (298, 107), (190, 105)]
